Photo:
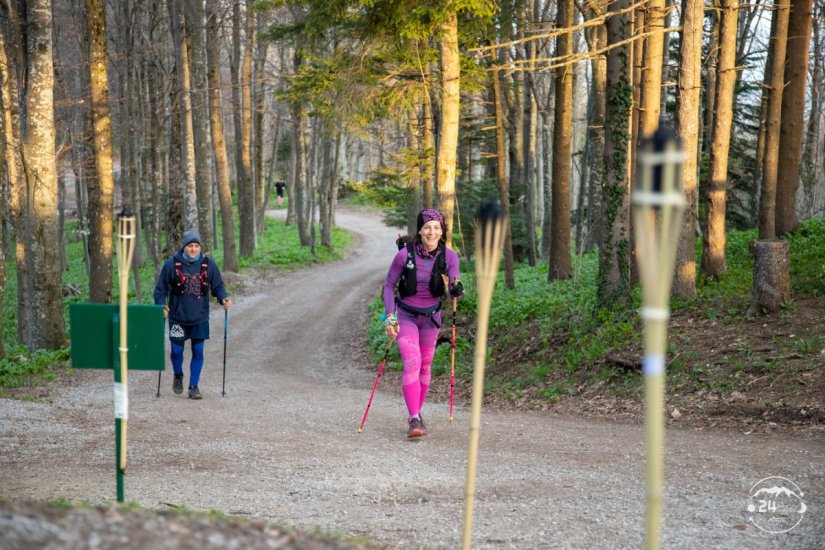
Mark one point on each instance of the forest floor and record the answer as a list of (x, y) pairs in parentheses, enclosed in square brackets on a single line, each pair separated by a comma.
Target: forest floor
[(282, 446), (752, 374)]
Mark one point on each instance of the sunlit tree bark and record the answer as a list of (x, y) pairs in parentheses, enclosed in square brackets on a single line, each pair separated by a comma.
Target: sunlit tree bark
[(793, 115), (688, 115), (230, 257), (48, 328), (774, 90), (450, 110), (713, 250), (101, 195)]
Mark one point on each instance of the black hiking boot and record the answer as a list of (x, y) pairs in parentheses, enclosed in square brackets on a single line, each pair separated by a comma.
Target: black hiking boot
[(177, 384), (415, 429), (194, 393)]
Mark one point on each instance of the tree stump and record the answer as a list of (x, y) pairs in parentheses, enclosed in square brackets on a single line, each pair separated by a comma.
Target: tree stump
[(771, 276)]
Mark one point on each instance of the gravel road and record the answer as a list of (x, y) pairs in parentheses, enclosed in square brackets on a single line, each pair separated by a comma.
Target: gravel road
[(283, 446)]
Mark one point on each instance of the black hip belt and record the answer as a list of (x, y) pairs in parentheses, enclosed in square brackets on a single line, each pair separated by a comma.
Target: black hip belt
[(421, 312)]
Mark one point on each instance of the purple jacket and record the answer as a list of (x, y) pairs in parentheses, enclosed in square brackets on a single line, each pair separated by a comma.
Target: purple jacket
[(423, 269)]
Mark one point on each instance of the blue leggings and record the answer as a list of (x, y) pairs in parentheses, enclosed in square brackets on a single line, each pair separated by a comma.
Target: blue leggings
[(195, 366)]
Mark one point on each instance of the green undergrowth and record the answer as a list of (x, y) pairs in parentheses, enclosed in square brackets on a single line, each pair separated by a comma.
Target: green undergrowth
[(549, 340), (278, 246)]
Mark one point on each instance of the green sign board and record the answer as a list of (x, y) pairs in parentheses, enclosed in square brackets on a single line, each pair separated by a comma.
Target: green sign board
[(93, 345)]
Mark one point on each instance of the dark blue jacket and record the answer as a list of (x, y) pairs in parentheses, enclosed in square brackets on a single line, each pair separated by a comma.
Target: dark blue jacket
[(188, 302)]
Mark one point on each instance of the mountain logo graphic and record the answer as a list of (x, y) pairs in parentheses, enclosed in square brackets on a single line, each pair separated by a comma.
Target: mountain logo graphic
[(775, 504), (176, 331)]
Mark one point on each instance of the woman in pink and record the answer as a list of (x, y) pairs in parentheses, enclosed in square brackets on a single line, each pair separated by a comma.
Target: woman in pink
[(412, 302)]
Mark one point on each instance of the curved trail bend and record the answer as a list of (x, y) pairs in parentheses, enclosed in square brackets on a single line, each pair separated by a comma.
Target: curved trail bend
[(283, 444)]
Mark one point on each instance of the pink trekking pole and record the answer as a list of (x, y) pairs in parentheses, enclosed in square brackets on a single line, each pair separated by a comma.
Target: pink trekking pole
[(375, 385)]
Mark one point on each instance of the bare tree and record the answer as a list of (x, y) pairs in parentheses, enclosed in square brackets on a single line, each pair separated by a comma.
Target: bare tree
[(793, 115), (230, 257), (651, 83), (560, 262), (246, 192), (187, 132), (450, 110), (596, 38), (38, 140), (194, 24), (101, 194), (614, 249), (11, 69), (774, 90), (713, 251), (689, 112), (501, 173)]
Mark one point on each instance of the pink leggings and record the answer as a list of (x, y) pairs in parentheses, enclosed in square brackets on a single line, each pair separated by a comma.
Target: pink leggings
[(417, 336)]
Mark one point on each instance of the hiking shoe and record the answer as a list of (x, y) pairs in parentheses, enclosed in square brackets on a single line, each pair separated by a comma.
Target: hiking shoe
[(177, 384), (194, 393), (423, 426), (415, 429)]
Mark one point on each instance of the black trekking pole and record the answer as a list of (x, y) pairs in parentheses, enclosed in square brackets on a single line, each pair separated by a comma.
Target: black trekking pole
[(225, 325), (159, 373)]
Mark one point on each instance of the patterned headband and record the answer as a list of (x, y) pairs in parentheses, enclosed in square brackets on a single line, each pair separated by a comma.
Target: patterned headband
[(430, 214)]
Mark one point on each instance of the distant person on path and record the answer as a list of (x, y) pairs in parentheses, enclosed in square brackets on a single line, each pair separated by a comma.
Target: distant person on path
[(413, 316), (279, 191), (182, 289)]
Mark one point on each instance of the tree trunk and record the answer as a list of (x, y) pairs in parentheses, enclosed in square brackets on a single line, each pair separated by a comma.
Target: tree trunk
[(301, 186), (174, 187), (560, 266), (689, 113), (811, 162), (258, 137), (101, 196), (230, 256), (448, 133), (200, 119), (771, 276), (614, 249), (2, 272), (793, 115), (597, 39), (531, 132), (414, 199), (187, 132), (501, 172), (12, 49), (246, 192), (427, 140), (774, 89), (713, 250), (651, 83), (712, 72), (48, 331)]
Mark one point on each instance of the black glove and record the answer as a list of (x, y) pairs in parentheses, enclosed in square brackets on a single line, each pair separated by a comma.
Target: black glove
[(457, 290)]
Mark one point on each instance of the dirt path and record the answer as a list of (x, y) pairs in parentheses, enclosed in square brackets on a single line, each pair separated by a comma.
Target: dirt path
[(283, 446)]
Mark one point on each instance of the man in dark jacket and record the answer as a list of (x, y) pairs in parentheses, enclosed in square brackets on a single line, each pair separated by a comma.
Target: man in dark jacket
[(183, 290)]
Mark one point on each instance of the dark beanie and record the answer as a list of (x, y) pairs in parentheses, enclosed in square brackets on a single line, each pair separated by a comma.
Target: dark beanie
[(191, 237), (429, 214)]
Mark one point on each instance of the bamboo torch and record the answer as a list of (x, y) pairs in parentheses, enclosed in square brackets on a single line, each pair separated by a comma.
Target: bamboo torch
[(125, 251), (658, 205), (489, 237)]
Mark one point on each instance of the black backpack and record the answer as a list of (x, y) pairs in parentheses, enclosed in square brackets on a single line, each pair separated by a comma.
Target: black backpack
[(407, 282)]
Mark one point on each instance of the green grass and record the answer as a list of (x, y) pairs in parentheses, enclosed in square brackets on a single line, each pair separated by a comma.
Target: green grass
[(278, 246)]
